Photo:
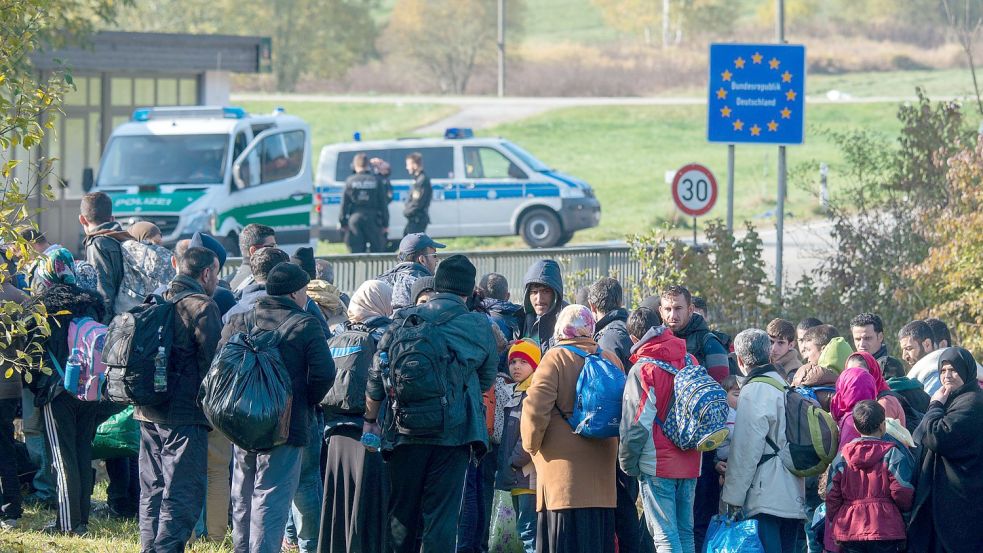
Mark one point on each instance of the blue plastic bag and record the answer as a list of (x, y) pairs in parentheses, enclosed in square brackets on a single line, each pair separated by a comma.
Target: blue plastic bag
[(732, 536)]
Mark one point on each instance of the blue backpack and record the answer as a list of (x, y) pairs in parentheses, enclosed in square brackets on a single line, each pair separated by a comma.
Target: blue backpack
[(697, 416), (600, 388)]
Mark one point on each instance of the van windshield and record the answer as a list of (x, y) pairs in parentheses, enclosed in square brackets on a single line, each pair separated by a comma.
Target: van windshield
[(526, 157), (171, 159)]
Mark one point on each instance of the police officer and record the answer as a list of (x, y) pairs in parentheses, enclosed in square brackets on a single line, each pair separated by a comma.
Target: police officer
[(364, 209), (417, 210)]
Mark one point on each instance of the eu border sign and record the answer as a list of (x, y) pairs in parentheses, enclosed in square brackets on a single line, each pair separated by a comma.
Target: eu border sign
[(756, 94)]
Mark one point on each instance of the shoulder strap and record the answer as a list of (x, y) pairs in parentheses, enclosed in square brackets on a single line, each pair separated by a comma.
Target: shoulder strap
[(578, 351), (662, 364), (61, 371), (286, 326), (769, 381)]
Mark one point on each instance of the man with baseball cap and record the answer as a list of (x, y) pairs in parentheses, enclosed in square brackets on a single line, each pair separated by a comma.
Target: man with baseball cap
[(417, 258)]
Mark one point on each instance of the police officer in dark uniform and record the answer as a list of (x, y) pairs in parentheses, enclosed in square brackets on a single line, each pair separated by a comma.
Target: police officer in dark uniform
[(417, 210), (364, 209)]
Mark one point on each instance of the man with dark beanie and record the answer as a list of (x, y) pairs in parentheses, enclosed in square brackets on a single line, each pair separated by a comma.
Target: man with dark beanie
[(264, 482), (428, 456)]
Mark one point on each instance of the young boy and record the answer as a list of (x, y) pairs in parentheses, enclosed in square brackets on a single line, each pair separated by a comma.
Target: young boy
[(516, 473), (870, 488), (783, 352)]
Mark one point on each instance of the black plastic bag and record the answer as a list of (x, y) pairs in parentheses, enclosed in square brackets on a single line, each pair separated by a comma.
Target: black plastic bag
[(247, 392)]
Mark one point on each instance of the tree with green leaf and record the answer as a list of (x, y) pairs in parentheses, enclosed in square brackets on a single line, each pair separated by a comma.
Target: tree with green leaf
[(27, 106)]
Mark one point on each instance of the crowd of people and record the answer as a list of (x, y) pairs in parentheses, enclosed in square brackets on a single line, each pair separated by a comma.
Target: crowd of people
[(427, 391)]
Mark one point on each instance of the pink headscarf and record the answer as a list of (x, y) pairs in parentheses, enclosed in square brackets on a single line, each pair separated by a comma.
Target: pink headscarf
[(573, 322), (874, 368), (853, 386)]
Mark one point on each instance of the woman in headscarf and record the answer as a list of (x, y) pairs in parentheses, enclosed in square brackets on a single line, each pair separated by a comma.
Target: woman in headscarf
[(854, 385), (356, 485), (885, 397), (575, 488), (948, 508)]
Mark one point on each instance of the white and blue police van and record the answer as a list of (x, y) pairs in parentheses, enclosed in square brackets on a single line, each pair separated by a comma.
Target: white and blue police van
[(481, 187), (211, 169)]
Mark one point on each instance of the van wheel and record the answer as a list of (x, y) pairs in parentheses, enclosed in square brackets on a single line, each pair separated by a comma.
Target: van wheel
[(565, 238), (231, 244), (540, 228)]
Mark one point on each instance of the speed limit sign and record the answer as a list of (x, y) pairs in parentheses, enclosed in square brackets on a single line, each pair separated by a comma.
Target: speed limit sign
[(694, 190)]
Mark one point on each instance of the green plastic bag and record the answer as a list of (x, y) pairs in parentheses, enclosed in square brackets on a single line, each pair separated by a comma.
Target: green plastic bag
[(118, 436), (503, 535)]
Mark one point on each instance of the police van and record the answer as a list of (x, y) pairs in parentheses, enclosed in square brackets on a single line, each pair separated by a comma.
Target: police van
[(481, 187), (210, 169)]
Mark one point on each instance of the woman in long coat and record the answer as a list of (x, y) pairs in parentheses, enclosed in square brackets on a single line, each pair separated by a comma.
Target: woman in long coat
[(356, 485), (948, 510), (575, 476)]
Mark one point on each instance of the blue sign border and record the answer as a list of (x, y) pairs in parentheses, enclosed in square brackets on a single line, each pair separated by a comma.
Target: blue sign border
[(756, 94)]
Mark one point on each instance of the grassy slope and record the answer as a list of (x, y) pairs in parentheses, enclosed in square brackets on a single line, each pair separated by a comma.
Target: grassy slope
[(624, 153)]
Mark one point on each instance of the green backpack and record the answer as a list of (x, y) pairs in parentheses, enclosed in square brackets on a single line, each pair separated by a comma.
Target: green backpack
[(812, 434)]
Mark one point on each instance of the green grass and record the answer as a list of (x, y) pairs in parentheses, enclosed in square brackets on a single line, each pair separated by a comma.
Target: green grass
[(105, 535), (331, 122), (624, 152)]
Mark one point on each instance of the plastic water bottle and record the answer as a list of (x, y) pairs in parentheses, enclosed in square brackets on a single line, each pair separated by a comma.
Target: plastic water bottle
[(73, 370), (160, 370), (371, 440)]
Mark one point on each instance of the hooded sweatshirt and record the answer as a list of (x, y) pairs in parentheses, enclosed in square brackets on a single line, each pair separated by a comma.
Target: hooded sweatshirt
[(869, 490), (401, 279), (540, 328), (824, 372), (648, 394)]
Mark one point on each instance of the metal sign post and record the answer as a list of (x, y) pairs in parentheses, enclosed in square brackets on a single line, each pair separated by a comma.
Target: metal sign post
[(730, 188)]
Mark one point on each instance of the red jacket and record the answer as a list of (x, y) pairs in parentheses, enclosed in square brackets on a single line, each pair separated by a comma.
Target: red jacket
[(870, 488), (672, 462)]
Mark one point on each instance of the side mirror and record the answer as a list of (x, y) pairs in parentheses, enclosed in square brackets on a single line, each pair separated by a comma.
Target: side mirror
[(87, 179), (239, 181)]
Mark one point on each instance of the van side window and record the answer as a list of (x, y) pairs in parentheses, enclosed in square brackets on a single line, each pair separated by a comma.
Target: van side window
[(277, 157), (343, 169), (488, 163), (438, 163)]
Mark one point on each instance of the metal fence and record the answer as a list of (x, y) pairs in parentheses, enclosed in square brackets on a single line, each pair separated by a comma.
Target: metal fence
[(580, 265)]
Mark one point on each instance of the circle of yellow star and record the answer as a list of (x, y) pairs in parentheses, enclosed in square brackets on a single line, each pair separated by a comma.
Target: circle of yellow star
[(773, 125), (790, 95), (786, 77), (755, 130), (757, 57), (726, 75), (774, 63), (786, 113), (725, 111), (721, 93), (738, 125), (739, 63)]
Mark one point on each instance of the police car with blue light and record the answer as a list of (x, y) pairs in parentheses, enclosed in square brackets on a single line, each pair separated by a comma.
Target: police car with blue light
[(481, 187), (210, 169)]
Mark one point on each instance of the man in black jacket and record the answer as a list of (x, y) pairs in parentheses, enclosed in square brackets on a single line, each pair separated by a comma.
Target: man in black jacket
[(103, 251), (174, 435), (264, 482), (364, 209), (605, 300), (417, 210)]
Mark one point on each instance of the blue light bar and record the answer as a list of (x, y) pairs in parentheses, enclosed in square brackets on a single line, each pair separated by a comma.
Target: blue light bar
[(458, 132), (142, 114), (233, 112)]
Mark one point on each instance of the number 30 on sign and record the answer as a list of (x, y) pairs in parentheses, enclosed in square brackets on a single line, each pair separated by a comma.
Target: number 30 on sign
[(694, 190)]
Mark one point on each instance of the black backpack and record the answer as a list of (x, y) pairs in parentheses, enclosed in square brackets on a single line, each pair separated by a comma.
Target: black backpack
[(353, 350), (416, 357), (248, 391), (133, 341)]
